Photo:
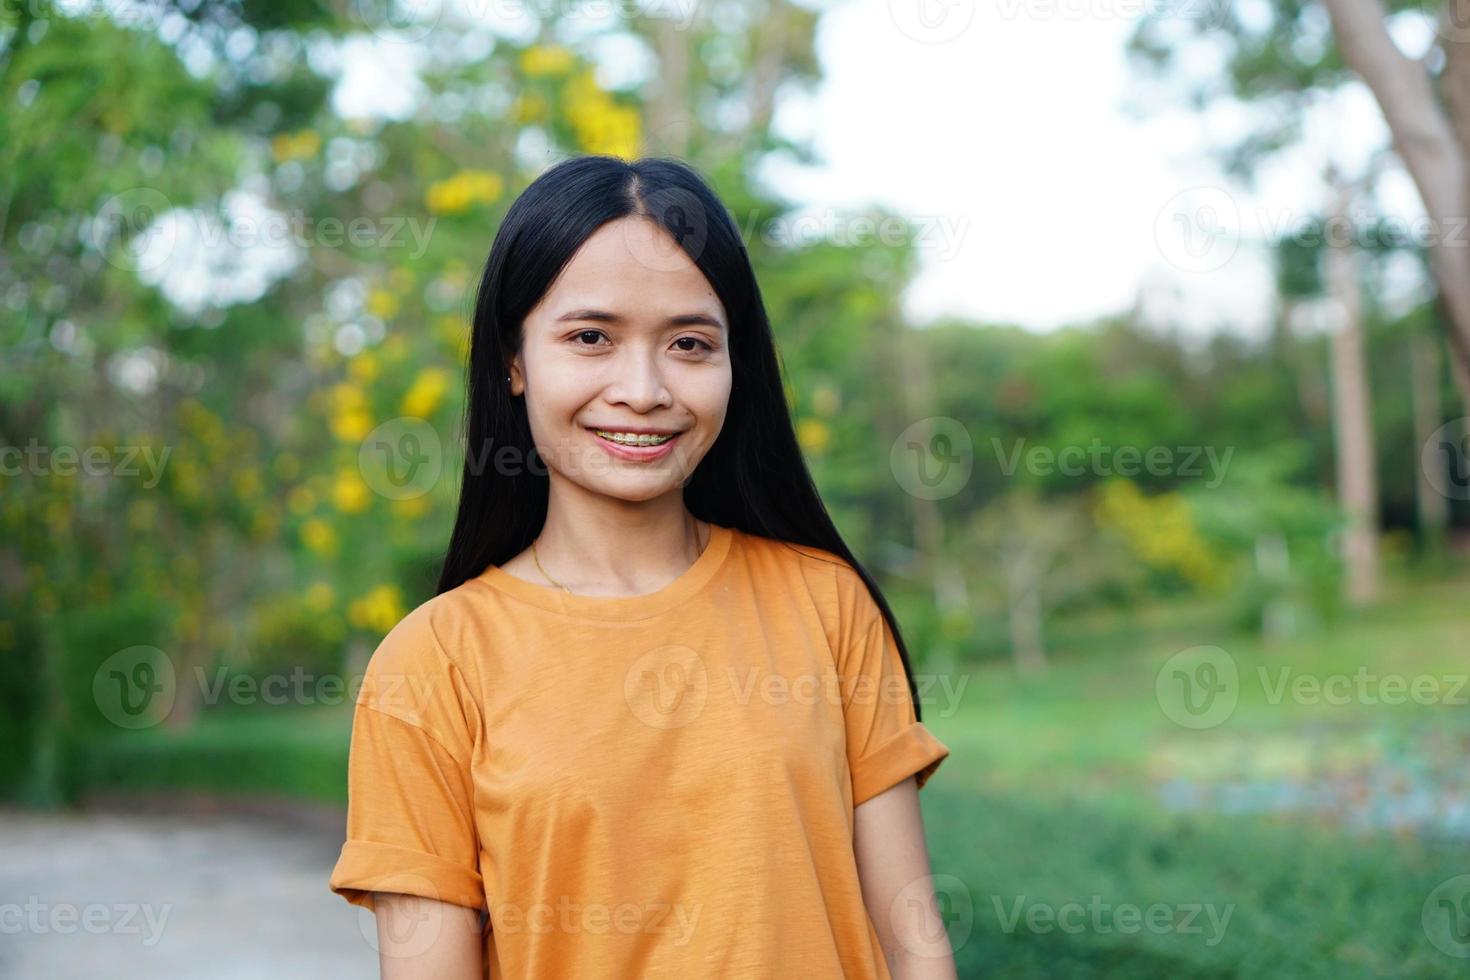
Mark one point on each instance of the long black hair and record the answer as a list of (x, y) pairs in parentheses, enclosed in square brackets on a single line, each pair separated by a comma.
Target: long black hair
[(753, 478)]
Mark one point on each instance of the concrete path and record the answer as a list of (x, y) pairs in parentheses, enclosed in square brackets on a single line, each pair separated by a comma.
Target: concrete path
[(179, 889)]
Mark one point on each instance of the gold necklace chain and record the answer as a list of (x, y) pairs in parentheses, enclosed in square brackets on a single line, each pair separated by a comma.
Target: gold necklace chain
[(704, 544)]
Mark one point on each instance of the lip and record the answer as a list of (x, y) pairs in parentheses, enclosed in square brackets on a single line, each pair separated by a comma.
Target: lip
[(640, 454)]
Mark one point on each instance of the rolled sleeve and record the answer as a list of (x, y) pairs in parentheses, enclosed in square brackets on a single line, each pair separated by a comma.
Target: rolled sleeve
[(410, 823), (410, 797), (886, 743)]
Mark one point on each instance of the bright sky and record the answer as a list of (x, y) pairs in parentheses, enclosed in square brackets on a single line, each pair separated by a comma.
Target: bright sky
[(1003, 122)]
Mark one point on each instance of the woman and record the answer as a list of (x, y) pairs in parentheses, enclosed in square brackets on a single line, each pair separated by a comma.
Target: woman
[(657, 721)]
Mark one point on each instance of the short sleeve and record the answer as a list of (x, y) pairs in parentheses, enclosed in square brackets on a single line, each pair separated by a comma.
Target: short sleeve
[(410, 799), (885, 742)]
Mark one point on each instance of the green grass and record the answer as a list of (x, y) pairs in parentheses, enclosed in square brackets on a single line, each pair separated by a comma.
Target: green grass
[(1301, 901), (1052, 795), (300, 752)]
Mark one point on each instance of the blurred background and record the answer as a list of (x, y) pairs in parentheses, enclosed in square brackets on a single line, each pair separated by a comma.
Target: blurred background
[(1129, 344)]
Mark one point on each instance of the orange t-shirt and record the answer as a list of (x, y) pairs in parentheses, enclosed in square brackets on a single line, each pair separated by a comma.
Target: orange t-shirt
[(649, 786)]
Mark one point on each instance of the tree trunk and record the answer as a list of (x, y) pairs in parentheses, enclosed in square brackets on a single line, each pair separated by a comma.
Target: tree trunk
[(1427, 141), (1023, 605), (669, 125), (1352, 419)]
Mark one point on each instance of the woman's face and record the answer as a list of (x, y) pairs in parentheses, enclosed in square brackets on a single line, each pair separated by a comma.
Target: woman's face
[(629, 345)]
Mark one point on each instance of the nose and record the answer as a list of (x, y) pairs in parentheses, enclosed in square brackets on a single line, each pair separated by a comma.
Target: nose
[(638, 380)]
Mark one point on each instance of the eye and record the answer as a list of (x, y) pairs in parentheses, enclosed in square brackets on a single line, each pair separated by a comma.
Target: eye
[(696, 340), (594, 334)]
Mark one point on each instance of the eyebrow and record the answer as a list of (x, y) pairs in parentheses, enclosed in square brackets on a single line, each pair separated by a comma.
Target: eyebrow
[(681, 320)]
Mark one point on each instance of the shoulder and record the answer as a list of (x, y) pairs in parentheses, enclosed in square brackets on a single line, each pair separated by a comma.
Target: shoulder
[(836, 587), (416, 649)]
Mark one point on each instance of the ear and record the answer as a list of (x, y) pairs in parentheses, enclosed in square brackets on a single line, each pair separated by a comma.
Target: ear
[(517, 376)]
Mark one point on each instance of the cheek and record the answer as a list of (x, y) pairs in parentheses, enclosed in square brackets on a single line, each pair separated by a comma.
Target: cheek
[(711, 405), (559, 390)]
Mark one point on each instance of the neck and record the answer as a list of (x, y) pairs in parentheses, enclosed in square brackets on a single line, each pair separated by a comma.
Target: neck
[(604, 546)]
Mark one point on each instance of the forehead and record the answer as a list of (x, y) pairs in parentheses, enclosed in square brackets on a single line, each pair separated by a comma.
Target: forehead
[(632, 266)]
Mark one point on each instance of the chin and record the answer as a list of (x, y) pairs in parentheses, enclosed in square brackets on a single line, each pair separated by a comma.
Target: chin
[(637, 492)]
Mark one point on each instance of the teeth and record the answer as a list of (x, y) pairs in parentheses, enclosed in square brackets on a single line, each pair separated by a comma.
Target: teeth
[(633, 439)]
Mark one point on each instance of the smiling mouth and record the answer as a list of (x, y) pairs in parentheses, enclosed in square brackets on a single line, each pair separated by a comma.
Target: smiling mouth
[(635, 438)]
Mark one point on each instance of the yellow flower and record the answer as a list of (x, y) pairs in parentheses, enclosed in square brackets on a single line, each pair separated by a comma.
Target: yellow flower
[(607, 128), (349, 493), (379, 610), (383, 304), (452, 328), (319, 597), (529, 108), (363, 367), (350, 417), (544, 60), (456, 194), (426, 392), (485, 185), (602, 126), (410, 508), (351, 426), (447, 197), (318, 535), (813, 434), (1161, 531), (300, 145)]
